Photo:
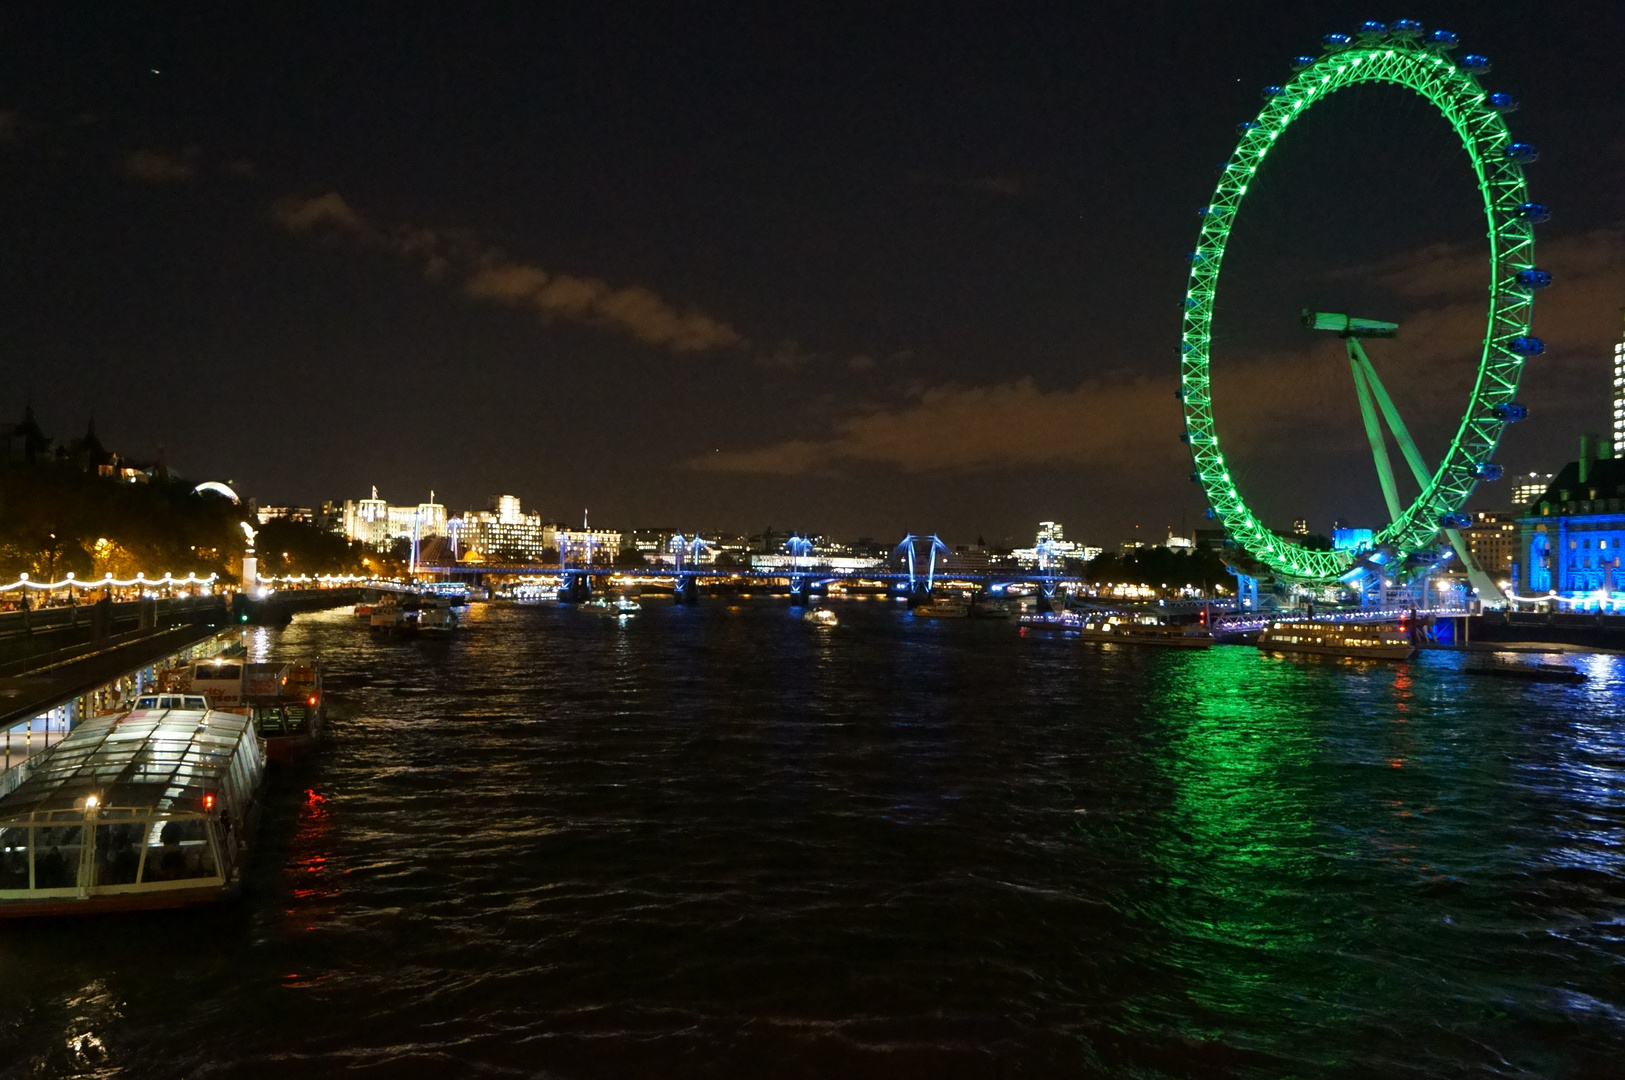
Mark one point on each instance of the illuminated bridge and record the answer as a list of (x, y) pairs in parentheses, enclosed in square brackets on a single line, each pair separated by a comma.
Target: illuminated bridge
[(916, 567)]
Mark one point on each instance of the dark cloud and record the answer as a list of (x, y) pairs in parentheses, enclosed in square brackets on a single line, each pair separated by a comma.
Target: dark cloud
[(488, 274), (161, 166)]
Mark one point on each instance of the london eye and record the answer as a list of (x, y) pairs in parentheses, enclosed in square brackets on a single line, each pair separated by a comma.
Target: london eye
[(1403, 55)]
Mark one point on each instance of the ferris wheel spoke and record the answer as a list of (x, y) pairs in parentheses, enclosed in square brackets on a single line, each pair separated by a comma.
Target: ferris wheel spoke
[(1373, 434)]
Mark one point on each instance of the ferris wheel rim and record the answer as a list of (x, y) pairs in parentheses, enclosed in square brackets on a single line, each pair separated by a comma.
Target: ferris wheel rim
[(1453, 89)]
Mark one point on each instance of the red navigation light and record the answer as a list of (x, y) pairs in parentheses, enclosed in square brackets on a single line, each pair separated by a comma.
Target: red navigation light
[(311, 701), (208, 801)]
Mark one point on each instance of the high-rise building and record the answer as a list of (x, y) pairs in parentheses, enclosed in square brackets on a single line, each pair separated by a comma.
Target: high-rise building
[(1493, 540), (1526, 489), (1619, 393), (502, 534)]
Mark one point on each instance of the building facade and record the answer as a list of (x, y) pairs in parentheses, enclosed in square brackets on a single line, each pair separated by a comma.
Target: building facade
[(374, 522), (1570, 539), (1526, 489), (1493, 540)]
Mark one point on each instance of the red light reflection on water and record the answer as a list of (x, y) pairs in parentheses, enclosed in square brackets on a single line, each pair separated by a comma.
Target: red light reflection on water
[(311, 851)]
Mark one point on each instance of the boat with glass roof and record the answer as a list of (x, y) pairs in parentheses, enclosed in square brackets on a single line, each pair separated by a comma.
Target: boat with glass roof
[(151, 808)]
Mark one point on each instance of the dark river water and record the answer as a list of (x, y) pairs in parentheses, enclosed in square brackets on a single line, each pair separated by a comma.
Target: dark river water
[(719, 842)]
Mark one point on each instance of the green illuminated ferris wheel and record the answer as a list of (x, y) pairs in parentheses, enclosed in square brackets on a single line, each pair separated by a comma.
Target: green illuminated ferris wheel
[(1403, 55)]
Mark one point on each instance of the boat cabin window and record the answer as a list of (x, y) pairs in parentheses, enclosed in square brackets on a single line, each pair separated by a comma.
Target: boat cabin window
[(57, 849), (178, 848), (172, 701), (213, 672), (14, 858), (273, 720), (118, 853)]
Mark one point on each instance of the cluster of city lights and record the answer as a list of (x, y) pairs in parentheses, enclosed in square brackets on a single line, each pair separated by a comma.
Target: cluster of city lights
[(70, 582), (319, 579)]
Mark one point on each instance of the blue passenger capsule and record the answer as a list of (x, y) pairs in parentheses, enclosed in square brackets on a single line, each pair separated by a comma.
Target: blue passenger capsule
[(1211, 513), (1458, 520), (1269, 92), (1185, 437), (1196, 478), (1186, 347), (1488, 470), (1533, 278), (1510, 412), (1194, 256), (1336, 42), (1534, 212), (1522, 153), (1188, 303), (1372, 30), (1478, 65), (1404, 28), (1503, 103), (1527, 345), (1301, 62), (1246, 126), (1443, 39)]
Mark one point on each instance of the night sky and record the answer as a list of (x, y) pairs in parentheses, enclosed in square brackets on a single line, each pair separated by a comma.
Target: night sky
[(857, 269)]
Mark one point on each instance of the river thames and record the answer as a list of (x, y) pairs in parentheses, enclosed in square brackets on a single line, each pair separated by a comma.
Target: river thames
[(719, 842)]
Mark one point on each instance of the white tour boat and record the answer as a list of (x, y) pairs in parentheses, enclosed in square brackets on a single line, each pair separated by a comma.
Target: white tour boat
[(151, 808)]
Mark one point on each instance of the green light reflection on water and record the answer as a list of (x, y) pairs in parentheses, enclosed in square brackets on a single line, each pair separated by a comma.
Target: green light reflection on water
[(1239, 842)]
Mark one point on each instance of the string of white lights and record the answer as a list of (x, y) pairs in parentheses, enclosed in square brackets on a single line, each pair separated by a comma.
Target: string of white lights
[(70, 581)]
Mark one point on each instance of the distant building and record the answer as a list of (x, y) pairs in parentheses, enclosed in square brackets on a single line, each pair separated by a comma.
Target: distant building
[(1052, 538), (502, 534), (1571, 536), (577, 545), (1352, 540), (1300, 526), (1493, 540), (301, 514), (1526, 490), (24, 441), (377, 524)]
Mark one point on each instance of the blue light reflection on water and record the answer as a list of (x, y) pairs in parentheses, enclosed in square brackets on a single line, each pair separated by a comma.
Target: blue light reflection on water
[(717, 841)]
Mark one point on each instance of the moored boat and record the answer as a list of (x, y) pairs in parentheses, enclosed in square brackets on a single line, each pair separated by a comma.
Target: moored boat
[(1103, 627), (1560, 673), (150, 808), (620, 606), (287, 705), (989, 608), (1373, 640), (943, 609)]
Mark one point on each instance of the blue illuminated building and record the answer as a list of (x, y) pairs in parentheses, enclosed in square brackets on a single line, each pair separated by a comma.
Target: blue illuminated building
[(1352, 540), (1572, 535)]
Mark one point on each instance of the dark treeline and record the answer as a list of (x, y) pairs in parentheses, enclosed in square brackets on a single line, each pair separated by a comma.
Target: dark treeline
[(295, 547), (57, 517), (1158, 566)]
